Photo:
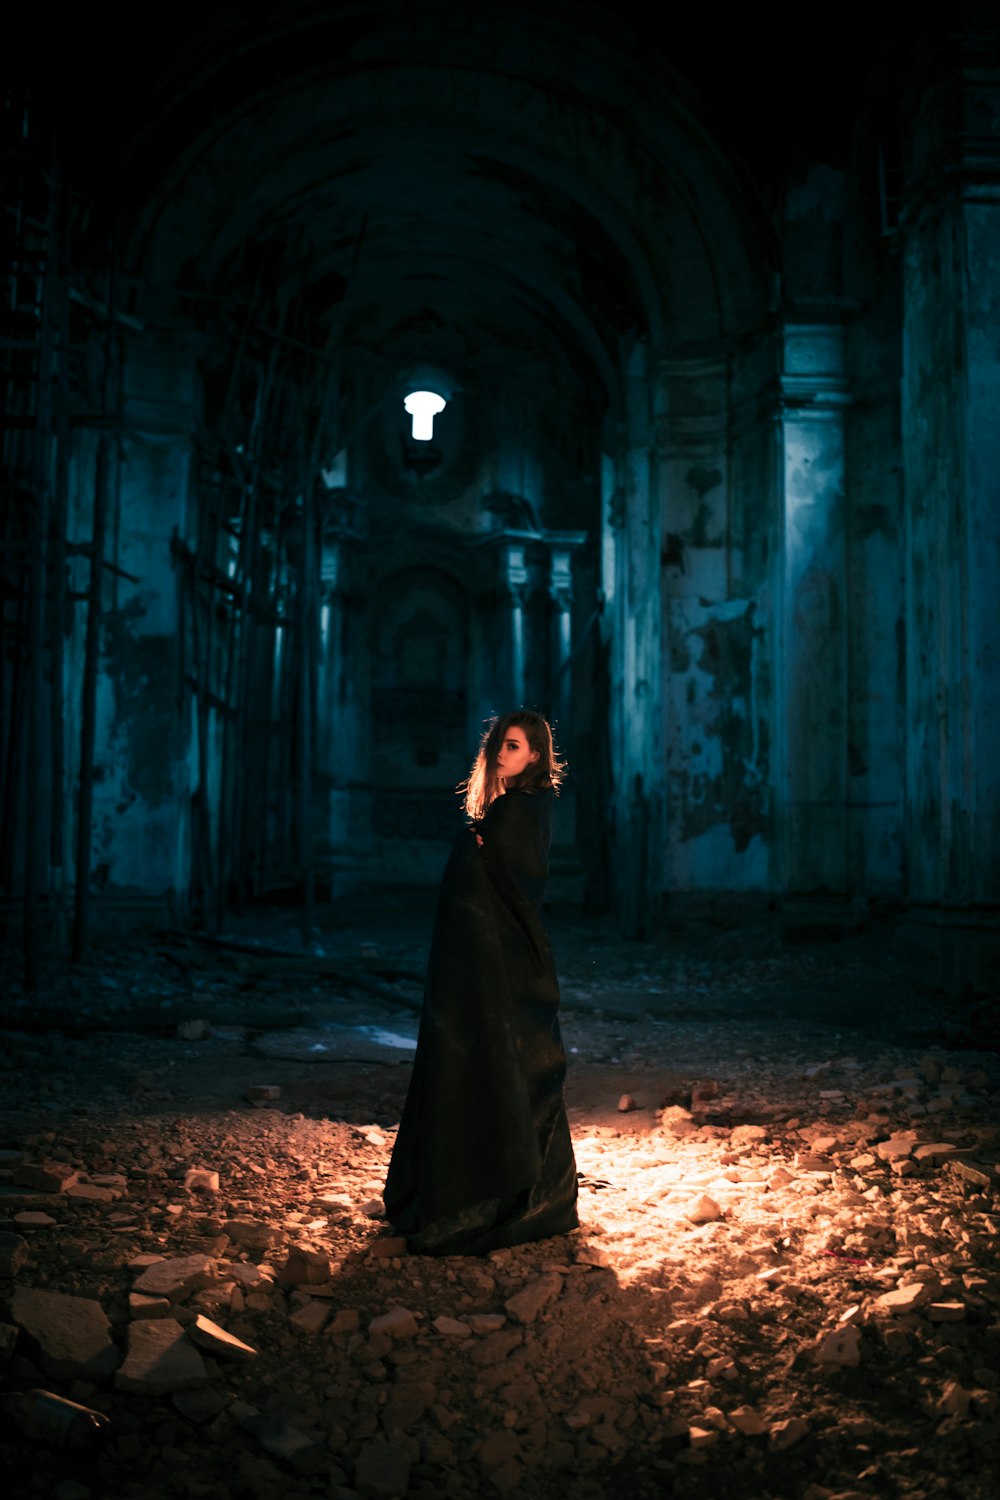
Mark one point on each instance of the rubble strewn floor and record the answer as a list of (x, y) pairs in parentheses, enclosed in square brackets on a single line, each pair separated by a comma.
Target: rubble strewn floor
[(784, 1284)]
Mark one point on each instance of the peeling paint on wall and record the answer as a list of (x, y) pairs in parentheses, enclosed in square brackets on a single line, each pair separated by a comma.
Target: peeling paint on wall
[(719, 760), (141, 670)]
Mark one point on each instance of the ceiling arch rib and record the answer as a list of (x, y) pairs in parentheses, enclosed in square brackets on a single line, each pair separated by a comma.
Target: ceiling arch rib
[(271, 151)]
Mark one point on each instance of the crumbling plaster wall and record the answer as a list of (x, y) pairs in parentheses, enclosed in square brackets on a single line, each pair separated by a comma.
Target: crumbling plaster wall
[(718, 480), (144, 758)]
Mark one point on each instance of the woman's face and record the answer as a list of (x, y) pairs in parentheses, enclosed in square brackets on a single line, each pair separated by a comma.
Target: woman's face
[(515, 753)]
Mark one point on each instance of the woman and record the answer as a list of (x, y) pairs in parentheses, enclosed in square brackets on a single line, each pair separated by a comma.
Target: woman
[(483, 1157)]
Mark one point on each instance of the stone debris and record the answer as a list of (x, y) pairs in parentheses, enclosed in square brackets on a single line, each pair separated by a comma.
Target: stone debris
[(140, 1305), (904, 1299), (452, 1328), (46, 1177), (786, 1433), (251, 1234), (946, 1312), (13, 1253), (526, 1304), (92, 1192), (208, 1335), (748, 1421), (626, 1104), (279, 1339), (841, 1346), (397, 1324), (307, 1265), (932, 1154), (310, 1319), (703, 1210), (72, 1334), (954, 1401), (388, 1248), (176, 1278), (33, 1220), (201, 1180), (160, 1359)]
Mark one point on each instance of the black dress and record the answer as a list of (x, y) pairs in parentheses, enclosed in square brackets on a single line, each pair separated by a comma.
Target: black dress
[(483, 1157)]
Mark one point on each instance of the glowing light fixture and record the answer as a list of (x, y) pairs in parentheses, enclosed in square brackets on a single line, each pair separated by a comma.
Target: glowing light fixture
[(423, 407)]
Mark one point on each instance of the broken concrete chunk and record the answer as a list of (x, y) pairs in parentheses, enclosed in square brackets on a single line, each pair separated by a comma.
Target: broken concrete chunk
[(13, 1253), (482, 1323), (896, 1147), (388, 1248), (399, 1323), (142, 1306), (526, 1304), (496, 1346), (903, 1300), (677, 1121), (46, 1177), (306, 1265), (786, 1433), (160, 1359), (703, 1210), (201, 1180), (217, 1341), (452, 1327), (248, 1276), (72, 1334), (841, 1346), (946, 1312), (978, 1173), (252, 1234), (954, 1400), (934, 1153), (746, 1420), (177, 1278), (34, 1220), (91, 1192), (310, 1319)]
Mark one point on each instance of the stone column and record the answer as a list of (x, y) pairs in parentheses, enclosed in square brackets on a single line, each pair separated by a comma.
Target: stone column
[(636, 729), (513, 583), (950, 232), (561, 546), (341, 763), (811, 674)]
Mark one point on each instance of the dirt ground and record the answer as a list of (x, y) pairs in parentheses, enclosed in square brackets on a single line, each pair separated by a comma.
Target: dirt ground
[(784, 1283)]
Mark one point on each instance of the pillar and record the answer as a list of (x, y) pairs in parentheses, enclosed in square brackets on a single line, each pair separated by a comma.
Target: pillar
[(950, 235), (811, 687)]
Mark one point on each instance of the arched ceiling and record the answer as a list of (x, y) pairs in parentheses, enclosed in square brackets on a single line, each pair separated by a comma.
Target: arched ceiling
[(528, 167)]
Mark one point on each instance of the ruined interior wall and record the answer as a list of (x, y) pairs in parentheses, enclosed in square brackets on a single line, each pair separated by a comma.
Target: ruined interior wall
[(951, 385), (717, 497), (139, 846), (876, 557)]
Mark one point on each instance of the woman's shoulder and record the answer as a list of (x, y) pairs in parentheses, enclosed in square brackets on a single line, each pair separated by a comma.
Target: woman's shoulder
[(520, 805)]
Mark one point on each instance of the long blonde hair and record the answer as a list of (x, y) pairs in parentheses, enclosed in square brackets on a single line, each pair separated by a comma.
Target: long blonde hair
[(544, 774)]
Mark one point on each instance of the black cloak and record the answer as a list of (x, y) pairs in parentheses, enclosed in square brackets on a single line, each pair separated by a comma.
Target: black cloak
[(483, 1157)]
